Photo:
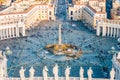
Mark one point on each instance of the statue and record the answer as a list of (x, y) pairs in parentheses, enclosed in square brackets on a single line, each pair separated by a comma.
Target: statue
[(112, 74), (118, 56), (81, 73), (21, 72), (5, 65), (45, 70), (90, 72), (1, 56), (67, 72), (1, 69), (31, 71), (55, 71)]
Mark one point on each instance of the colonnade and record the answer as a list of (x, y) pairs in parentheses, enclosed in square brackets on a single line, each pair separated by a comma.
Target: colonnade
[(11, 30), (106, 30)]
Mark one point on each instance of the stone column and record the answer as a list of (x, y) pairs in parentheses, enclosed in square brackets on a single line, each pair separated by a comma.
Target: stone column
[(98, 31), (0, 34), (6, 32), (17, 31), (13, 33), (104, 31), (118, 32), (111, 33), (10, 32), (108, 32), (114, 33), (3, 33), (23, 30), (60, 38)]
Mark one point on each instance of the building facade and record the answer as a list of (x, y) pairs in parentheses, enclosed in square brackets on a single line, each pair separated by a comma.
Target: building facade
[(88, 11), (22, 15), (5, 2), (110, 27)]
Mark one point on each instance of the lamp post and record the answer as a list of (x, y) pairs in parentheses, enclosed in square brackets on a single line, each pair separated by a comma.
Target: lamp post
[(112, 51), (7, 51)]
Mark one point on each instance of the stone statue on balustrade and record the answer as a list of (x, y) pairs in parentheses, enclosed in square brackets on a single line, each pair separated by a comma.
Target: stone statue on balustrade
[(55, 71), (31, 71), (81, 73), (21, 72), (112, 74), (1, 70), (45, 73), (67, 72), (90, 72)]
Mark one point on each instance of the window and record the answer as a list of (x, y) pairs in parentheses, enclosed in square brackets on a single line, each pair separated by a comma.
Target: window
[(71, 12), (50, 13), (50, 18), (71, 18)]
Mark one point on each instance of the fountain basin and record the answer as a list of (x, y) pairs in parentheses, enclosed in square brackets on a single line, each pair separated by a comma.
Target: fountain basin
[(64, 49)]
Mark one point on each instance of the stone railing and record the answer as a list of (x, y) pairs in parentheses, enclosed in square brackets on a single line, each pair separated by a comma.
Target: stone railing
[(52, 78), (56, 76)]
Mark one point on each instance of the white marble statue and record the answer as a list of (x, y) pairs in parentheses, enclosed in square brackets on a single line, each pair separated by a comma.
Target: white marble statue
[(1, 56), (1, 69), (81, 73), (5, 65), (21, 72), (112, 74), (67, 73), (45, 73), (55, 71), (118, 56), (31, 71), (90, 72)]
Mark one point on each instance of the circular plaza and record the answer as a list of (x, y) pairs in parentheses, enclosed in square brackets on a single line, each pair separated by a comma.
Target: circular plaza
[(30, 50)]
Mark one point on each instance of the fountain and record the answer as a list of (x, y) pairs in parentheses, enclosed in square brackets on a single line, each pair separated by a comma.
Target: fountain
[(68, 50)]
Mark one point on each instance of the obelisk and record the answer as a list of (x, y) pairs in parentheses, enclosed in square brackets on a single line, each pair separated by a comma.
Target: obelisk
[(59, 35)]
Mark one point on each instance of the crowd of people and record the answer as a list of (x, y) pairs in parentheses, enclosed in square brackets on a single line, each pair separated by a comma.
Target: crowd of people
[(25, 48)]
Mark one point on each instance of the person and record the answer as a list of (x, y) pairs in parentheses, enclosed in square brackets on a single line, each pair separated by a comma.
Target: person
[(21, 72), (45, 75), (55, 71)]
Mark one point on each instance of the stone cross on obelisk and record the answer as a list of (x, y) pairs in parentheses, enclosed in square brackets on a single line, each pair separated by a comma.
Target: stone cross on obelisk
[(59, 35)]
